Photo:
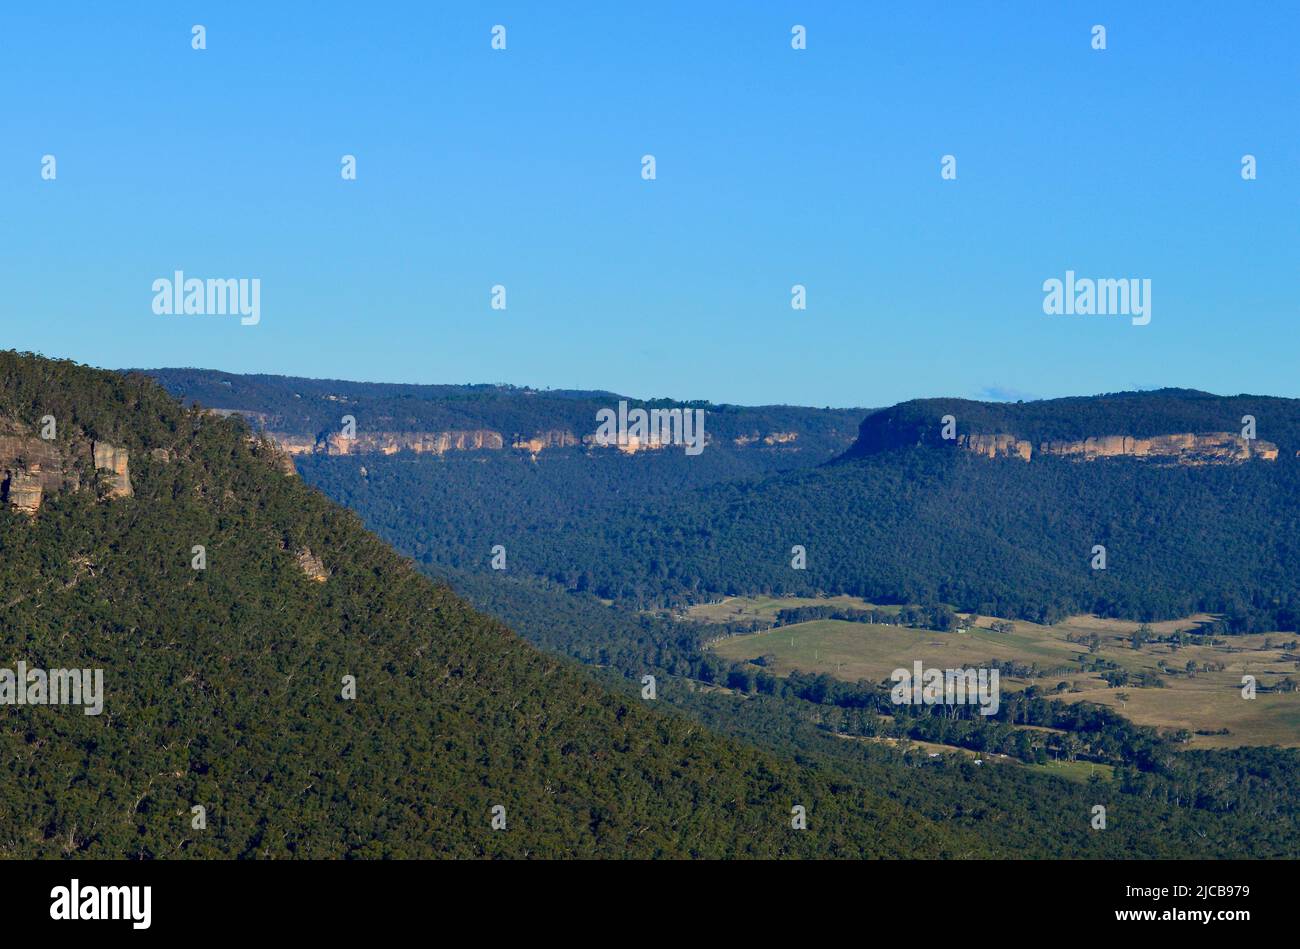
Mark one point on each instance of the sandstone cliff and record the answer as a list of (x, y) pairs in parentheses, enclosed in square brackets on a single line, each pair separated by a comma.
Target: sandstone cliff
[(389, 443), (32, 468), (113, 461), (488, 439), (312, 566), (554, 438), (1183, 448), (438, 443), (629, 446), (1161, 427), (769, 440)]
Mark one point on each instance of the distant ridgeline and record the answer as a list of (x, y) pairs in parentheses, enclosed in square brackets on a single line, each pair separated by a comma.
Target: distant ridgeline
[(1194, 515), (306, 416), (1167, 425)]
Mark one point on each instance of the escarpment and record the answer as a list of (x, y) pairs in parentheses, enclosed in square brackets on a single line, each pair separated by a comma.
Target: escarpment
[(388, 443), (553, 438), (471, 419), (1182, 448), (768, 440), (32, 468), (114, 461), (1185, 448), (440, 443), (1164, 427)]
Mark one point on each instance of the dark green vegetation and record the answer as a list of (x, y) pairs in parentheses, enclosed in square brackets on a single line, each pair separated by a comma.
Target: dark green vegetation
[(998, 537), (918, 524), (925, 525), (1170, 803), (309, 406), (312, 407), (223, 686)]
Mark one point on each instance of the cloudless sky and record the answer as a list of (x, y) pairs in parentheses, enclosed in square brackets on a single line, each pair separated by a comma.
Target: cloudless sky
[(775, 167)]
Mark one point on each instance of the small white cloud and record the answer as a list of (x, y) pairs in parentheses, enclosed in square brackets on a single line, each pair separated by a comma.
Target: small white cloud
[(997, 393)]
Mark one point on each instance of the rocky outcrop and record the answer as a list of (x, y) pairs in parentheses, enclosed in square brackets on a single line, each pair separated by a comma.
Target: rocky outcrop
[(266, 447), (1187, 448), (996, 446), (312, 566), (33, 468), (114, 461), (439, 443), (294, 444), (769, 440), (1183, 448), (554, 438), (629, 445), (389, 443)]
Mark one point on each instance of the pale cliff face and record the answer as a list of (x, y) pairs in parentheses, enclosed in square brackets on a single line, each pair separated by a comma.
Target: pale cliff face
[(769, 440), (22, 490), (438, 443), (114, 460), (441, 442), (1183, 448), (32, 468), (633, 444), (312, 566), (554, 438), (996, 446), (293, 444), (389, 443)]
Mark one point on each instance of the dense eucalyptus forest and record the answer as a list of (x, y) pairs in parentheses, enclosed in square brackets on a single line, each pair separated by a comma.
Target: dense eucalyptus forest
[(599, 544)]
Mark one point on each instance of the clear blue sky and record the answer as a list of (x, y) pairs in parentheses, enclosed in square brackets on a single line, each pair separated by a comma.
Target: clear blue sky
[(775, 167)]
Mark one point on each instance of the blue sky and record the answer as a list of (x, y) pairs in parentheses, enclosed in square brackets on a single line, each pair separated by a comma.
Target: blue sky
[(775, 167)]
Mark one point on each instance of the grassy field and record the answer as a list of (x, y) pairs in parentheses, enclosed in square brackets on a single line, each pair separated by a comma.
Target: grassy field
[(740, 609), (1206, 701), (1079, 771)]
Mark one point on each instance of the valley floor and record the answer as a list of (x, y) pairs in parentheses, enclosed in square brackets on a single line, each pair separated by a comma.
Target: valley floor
[(1205, 702)]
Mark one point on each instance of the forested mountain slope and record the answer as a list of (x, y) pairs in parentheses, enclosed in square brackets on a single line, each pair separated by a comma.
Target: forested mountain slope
[(224, 687), (646, 532), (997, 537)]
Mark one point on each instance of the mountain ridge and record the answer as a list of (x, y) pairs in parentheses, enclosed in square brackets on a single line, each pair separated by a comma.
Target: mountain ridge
[(1157, 423), (226, 685), (329, 417)]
